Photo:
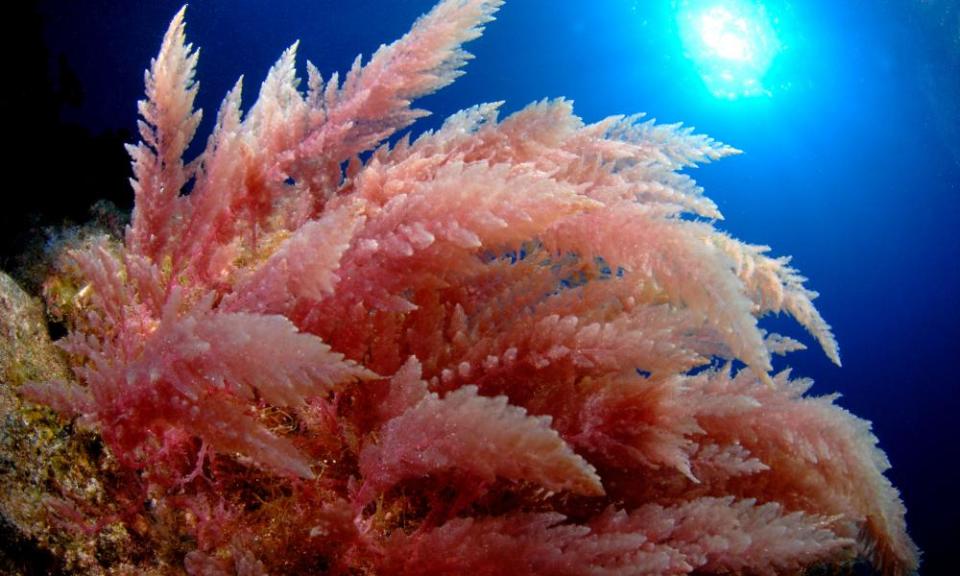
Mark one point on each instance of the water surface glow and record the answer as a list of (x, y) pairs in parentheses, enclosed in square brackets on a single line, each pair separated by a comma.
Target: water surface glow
[(732, 43)]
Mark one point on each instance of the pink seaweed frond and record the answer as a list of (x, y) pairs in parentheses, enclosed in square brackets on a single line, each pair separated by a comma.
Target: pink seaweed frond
[(492, 349)]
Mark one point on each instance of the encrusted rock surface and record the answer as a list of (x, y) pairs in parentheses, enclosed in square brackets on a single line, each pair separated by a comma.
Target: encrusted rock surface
[(44, 458)]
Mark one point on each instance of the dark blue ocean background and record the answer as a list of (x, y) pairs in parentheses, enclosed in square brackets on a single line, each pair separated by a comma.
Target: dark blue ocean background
[(851, 163)]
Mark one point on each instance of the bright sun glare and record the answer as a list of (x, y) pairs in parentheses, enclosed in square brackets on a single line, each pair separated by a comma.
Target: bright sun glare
[(732, 44), (725, 34)]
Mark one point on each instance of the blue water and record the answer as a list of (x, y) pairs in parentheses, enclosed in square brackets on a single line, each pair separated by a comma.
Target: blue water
[(852, 162)]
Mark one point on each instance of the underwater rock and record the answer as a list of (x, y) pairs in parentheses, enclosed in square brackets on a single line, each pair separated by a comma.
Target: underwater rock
[(42, 458)]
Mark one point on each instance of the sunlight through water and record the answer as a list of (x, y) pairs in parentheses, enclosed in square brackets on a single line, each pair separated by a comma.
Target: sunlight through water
[(732, 43)]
